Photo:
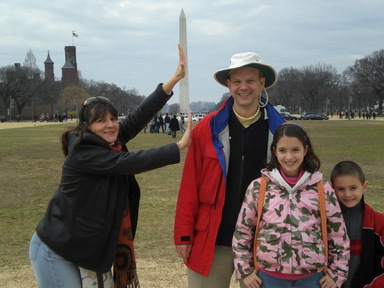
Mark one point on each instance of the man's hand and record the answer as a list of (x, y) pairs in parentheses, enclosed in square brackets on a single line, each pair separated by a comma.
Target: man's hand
[(183, 252)]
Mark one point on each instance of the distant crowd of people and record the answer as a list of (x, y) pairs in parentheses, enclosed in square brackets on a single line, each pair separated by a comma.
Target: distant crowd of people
[(167, 123), (365, 115), (52, 118)]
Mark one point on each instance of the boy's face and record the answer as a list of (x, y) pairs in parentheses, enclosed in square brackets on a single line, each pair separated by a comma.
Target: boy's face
[(349, 190)]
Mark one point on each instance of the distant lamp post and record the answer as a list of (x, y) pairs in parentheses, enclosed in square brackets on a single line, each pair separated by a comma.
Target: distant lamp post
[(349, 107), (11, 103), (359, 101), (327, 105), (33, 112), (77, 113), (66, 107)]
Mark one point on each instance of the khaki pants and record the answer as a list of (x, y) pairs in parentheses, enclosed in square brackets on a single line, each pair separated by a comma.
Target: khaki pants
[(220, 274)]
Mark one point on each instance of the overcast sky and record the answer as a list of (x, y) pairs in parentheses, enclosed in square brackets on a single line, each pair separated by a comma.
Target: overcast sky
[(134, 43)]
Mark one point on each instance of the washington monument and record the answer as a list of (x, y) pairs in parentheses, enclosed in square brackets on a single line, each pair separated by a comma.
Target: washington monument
[(184, 83)]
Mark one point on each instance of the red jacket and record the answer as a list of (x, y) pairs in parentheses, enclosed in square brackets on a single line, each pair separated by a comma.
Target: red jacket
[(371, 270), (202, 189)]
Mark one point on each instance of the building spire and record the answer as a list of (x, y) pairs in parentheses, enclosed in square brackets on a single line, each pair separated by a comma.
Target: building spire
[(48, 67)]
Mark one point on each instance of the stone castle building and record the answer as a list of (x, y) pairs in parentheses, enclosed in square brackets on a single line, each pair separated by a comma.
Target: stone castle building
[(70, 75)]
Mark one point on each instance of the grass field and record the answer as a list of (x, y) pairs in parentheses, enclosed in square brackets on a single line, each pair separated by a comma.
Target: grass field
[(30, 167)]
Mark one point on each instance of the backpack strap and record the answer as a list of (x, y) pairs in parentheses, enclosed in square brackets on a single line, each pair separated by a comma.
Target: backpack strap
[(323, 216), (260, 203)]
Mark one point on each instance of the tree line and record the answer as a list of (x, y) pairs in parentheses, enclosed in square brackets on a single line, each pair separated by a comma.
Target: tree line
[(24, 90), (320, 89), (314, 88)]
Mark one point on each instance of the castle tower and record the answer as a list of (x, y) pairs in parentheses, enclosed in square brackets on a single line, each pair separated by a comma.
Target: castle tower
[(69, 70), (184, 83), (49, 71), (70, 55)]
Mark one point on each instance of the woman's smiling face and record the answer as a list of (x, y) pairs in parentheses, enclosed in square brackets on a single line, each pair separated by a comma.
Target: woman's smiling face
[(106, 127)]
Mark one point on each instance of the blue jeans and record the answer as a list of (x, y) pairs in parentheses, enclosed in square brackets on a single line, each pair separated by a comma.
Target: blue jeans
[(50, 269), (182, 129), (307, 282)]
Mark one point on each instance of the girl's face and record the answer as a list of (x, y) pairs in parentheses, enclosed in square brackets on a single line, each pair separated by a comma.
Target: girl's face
[(290, 154), (349, 189), (106, 127)]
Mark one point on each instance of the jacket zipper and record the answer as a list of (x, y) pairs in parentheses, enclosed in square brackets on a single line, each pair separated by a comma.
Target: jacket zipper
[(241, 166), (290, 223)]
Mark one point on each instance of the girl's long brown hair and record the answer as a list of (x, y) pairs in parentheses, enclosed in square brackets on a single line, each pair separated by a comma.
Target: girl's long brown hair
[(311, 162)]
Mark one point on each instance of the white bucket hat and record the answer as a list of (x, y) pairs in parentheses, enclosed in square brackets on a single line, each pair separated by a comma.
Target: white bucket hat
[(247, 59)]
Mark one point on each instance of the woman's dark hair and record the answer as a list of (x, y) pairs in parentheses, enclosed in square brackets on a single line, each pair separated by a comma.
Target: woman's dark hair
[(311, 162), (91, 110), (349, 168)]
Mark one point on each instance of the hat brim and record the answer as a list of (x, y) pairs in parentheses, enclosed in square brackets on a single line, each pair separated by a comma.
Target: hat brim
[(269, 73)]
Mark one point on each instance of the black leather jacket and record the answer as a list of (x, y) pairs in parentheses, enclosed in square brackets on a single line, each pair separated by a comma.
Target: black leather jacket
[(83, 218)]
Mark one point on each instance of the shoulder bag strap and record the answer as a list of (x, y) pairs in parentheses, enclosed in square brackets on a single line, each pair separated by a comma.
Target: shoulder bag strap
[(260, 203), (323, 215)]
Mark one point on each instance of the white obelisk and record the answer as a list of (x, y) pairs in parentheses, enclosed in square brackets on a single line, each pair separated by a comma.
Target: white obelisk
[(184, 83)]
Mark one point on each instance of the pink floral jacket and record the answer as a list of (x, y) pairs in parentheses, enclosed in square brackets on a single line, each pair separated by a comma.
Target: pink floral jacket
[(290, 235)]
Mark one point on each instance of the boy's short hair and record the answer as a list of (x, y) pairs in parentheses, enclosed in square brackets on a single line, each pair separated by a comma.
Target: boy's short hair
[(347, 168)]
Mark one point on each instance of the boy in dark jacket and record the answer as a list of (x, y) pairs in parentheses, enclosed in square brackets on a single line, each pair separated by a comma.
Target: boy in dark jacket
[(364, 225)]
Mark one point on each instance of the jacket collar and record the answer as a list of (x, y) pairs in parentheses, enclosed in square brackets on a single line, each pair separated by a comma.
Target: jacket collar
[(219, 123)]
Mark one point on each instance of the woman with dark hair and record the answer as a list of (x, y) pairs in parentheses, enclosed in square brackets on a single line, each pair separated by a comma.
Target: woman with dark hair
[(90, 222)]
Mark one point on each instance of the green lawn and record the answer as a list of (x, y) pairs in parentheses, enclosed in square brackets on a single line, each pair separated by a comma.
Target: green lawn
[(31, 159)]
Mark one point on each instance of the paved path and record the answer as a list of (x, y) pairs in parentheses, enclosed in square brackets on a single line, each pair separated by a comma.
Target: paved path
[(10, 125)]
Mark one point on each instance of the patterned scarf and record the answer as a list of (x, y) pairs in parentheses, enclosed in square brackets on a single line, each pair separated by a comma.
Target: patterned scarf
[(124, 267)]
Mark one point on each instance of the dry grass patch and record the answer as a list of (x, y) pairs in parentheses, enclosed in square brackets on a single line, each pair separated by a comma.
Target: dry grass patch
[(30, 165)]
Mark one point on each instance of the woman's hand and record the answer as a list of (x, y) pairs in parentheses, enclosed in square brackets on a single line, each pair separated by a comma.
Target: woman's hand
[(186, 140), (180, 70), (179, 74), (252, 281)]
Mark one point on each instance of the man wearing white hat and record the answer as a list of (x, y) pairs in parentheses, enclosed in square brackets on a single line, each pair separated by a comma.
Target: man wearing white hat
[(228, 150)]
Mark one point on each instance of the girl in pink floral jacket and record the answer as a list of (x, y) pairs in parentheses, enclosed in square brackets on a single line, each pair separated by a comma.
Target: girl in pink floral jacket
[(290, 248)]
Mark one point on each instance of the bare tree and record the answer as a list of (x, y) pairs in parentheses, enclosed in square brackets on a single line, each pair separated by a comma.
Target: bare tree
[(20, 84), (29, 65), (17, 87), (286, 91), (124, 100), (174, 108), (71, 98), (316, 83), (369, 72)]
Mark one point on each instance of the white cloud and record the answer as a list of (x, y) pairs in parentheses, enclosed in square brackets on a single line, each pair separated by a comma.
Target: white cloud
[(134, 43), (211, 28)]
